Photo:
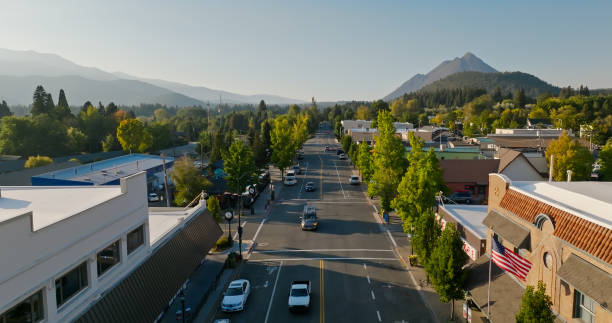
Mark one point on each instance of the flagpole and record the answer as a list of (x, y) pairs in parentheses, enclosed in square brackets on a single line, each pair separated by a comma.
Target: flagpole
[(489, 289)]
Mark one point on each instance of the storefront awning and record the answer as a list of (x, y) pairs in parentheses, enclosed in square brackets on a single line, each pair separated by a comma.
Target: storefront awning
[(517, 234), (588, 279)]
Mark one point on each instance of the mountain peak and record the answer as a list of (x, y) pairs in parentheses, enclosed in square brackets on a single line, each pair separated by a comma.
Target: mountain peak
[(469, 62)]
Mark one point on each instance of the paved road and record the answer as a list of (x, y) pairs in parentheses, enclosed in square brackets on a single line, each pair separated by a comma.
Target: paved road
[(355, 275)]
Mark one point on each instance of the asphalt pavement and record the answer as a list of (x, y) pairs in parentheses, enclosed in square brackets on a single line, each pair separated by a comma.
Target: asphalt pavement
[(355, 274)]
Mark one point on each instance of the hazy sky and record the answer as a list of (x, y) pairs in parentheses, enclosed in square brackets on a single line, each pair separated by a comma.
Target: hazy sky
[(333, 50)]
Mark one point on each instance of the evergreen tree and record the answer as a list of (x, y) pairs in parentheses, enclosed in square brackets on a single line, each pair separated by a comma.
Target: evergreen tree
[(497, 95), (40, 101), (111, 108), (519, 99), (266, 129), (4, 110), (217, 147), (535, 306), (262, 112), (445, 266), (61, 100)]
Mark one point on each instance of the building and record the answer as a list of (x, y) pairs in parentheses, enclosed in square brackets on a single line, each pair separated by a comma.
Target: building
[(564, 229), (355, 124), (538, 124), (469, 175), (528, 140), (468, 220), (517, 166), (359, 135), (108, 171), (83, 249)]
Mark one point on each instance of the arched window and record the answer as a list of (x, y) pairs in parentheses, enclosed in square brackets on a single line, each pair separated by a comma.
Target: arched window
[(540, 219)]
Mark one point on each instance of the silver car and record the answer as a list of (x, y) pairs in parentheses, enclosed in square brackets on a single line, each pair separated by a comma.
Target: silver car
[(354, 180)]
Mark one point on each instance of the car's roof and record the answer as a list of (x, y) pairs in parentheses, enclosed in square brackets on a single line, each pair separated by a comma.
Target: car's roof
[(237, 283), (310, 183), (353, 176)]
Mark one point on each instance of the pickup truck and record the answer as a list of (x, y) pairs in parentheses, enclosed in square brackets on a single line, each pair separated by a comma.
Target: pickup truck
[(299, 295)]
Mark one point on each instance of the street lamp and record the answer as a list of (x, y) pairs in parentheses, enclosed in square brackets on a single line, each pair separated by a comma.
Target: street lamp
[(228, 216)]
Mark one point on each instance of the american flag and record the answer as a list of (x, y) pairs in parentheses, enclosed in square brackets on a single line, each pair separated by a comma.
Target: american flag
[(509, 261)]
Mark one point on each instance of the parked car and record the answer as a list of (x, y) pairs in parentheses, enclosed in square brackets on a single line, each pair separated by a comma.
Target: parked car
[(300, 155), (309, 187), (236, 295), (153, 197), (354, 180), (297, 170), (327, 148), (342, 157), (309, 220), (339, 151), (290, 178), (462, 197), (299, 295)]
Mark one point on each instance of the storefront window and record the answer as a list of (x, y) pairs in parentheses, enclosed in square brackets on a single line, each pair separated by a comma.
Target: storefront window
[(108, 257), (70, 284), (28, 310), (135, 239)]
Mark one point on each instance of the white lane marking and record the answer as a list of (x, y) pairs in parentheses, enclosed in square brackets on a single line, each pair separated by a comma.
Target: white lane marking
[(323, 250), (368, 277), (365, 267), (273, 291), (324, 258), (373, 297), (392, 240), (378, 314), (259, 228), (375, 209), (303, 179), (320, 176), (339, 181)]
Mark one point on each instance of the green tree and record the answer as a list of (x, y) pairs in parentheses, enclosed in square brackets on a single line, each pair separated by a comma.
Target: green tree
[(262, 112), (188, 180), (133, 136), (519, 98), (259, 153), (605, 159), (161, 135), (110, 143), (299, 132), (40, 102), (389, 161), (535, 306), (569, 154), (266, 130), (217, 146), (239, 166), (61, 100), (346, 142), (283, 150), (378, 106), (37, 161), (426, 233), (364, 161), (214, 208), (445, 266), (77, 140), (363, 113), (4, 110)]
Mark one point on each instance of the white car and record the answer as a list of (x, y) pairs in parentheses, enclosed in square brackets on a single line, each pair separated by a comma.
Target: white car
[(290, 178), (153, 197), (236, 295), (342, 156), (354, 180)]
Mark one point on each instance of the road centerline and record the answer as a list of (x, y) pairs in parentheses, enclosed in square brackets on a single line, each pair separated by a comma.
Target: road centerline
[(322, 292), (273, 291)]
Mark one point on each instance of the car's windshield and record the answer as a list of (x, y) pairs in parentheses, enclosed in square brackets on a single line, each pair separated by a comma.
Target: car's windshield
[(234, 291), (299, 292)]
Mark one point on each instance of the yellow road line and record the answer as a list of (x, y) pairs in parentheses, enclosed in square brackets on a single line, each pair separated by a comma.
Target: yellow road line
[(322, 296)]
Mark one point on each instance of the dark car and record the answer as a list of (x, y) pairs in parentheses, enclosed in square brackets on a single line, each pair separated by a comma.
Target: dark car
[(297, 169), (462, 197), (339, 151), (309, 219), (309, 187)]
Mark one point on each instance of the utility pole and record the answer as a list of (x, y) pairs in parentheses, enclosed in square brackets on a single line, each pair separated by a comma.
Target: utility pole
[(165, 179)]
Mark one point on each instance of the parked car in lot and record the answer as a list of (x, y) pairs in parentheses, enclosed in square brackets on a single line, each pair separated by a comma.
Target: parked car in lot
[(354, 180), (309, 219), (236, 295), (290, 178), (299, 295), (342, 156), (153, 197), (309, 187), (462, 197)]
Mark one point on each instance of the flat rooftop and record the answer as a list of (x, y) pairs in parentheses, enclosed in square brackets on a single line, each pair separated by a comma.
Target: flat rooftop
[(105, 171), (162, 220), (470, 216), (591, 201), (51, 204)]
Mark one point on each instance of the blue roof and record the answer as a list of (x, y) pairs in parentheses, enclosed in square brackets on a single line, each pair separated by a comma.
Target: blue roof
[(104, 172)]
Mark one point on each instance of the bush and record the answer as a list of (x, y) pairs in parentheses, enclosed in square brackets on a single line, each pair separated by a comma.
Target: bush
[(74, 160), (223, 243), (414, 260), (38, 161), (232, 259)]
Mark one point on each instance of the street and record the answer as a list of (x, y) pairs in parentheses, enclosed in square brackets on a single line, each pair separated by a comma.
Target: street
[(350, 261)]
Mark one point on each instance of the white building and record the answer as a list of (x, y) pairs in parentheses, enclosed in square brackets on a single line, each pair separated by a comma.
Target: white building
[(355, 124), (64, 247)]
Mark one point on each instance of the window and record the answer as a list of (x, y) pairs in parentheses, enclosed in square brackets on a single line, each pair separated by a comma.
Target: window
[(108, 257), (28, 310), (135, 239), (70, 284), (584, 307)]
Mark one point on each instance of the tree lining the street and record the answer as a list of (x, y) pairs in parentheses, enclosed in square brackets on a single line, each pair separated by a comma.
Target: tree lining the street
[(239, 166), (282, 146), (364, 161), (188, 180), (536, 306)]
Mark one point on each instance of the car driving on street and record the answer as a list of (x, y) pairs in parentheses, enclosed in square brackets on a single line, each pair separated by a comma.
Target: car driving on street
[(236, 295), (290, 178), (153, 197), (309, 187), (354, 180), (342, 156), (309, 220), (299, 295)]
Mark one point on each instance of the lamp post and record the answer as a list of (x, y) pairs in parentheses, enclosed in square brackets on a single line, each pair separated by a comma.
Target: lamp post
[(228, 216)]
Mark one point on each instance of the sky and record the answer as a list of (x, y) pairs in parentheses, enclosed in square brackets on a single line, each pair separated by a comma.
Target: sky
[(332, 50)]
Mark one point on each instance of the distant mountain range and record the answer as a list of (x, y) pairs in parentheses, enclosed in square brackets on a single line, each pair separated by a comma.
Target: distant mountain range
[(469, 62), (22, 71)]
